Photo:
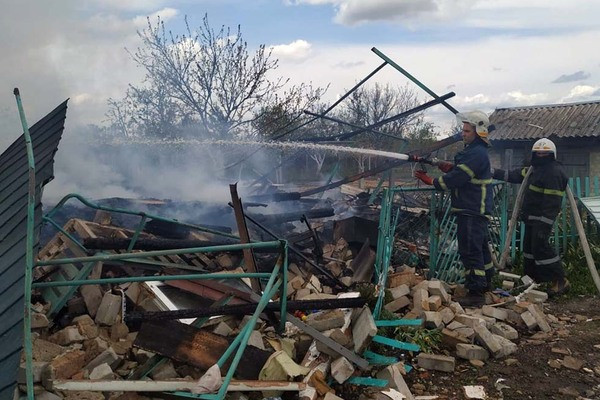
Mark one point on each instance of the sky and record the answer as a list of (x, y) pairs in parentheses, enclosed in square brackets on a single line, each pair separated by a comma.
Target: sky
[(491, 53)]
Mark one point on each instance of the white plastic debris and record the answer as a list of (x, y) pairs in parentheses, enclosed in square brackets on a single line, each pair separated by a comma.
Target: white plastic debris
[(210, 382)]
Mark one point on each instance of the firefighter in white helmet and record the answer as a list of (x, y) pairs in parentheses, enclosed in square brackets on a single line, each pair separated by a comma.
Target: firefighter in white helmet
[(468, 179), (541, 205)]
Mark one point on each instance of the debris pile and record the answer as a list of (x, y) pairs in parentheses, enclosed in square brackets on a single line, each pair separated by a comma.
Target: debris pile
[(119, 337)]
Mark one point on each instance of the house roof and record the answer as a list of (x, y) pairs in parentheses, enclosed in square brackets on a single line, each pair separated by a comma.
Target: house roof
[(14, 186), (553, 120)]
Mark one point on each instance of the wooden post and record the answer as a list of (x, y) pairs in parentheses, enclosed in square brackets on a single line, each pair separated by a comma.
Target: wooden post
[(513, 219), (583, 239), (249, 260)]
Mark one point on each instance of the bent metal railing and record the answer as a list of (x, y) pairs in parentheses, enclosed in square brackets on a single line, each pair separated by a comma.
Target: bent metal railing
[(276, 284)]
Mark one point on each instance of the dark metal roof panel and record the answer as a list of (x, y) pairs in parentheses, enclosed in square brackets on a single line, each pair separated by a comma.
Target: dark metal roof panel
[(45, 136), (556, 120)]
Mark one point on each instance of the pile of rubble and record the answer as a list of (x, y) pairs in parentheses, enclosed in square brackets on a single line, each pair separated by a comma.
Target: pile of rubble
[(326, 354)]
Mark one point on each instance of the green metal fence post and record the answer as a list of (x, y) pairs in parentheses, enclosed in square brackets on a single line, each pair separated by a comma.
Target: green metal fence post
[(29, 248), (433, 236)]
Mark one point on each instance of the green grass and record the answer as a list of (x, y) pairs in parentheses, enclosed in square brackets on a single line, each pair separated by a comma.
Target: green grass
[(576, 270)]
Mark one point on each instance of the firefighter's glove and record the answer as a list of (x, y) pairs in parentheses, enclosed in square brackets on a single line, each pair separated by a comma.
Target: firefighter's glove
[(422, 175), (445, 166)]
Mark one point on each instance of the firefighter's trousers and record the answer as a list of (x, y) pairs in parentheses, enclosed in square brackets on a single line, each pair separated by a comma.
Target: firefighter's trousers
[(473, 237), (542, 264)]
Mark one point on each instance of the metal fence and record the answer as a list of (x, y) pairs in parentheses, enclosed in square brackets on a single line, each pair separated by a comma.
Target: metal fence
[(444, 261)]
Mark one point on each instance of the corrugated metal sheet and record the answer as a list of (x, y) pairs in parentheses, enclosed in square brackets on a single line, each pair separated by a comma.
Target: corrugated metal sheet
[(557, 120), (45, 136), (593, 206)]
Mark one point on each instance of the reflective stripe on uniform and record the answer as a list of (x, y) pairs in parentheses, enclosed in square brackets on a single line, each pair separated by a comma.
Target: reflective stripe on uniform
[(541, 219), (468, 170), (481, 181), (488, 266), (553, 192), (479, 272), (442, 183), (483, 194), (528, 256), (548, 261), (524, 172)]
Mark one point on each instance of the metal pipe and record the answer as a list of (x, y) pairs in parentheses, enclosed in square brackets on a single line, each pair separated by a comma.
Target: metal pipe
[(404, 114), (270, 290), (283, 313), (64, 232), (125, 256), (331, 107), (129, 212), (339, 121), (29, 248), (137, 232), (412, 78)]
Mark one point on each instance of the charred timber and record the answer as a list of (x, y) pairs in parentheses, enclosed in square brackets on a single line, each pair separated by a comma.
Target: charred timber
[(276, 197), (105, 243), (294, 216), (245, 309)]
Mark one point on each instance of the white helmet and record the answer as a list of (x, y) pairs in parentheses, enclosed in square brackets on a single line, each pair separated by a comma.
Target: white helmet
[(544, 145), (479, 120)]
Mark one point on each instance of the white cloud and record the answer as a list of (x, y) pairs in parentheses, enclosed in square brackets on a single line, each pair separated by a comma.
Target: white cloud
[(353, 12), (131, 5), (519, 98), (500, 14), (298, 50), (479, 98), (165, 14), (582, 93)]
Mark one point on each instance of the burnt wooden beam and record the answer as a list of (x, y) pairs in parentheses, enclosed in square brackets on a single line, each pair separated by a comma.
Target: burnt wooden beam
[(249, 260), (294, 216), (246, 309), (285, 196), (196, 347)]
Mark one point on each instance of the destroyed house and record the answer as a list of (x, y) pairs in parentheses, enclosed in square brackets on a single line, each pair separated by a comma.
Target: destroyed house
[(574, 128)]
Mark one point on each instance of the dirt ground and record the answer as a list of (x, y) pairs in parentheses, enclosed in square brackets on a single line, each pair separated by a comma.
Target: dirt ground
[(535, 371)]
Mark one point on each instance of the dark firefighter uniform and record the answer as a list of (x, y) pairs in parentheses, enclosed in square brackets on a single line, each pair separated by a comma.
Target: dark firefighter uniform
[(541, 204), (471, 200)]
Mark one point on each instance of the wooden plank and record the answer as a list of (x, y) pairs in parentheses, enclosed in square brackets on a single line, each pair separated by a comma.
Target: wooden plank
[(82, 229), (169, 386), (199, 348), (249, 260), (57, 242)]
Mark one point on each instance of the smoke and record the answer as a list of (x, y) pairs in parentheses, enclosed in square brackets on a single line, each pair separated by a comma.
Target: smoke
[(96, 170)]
